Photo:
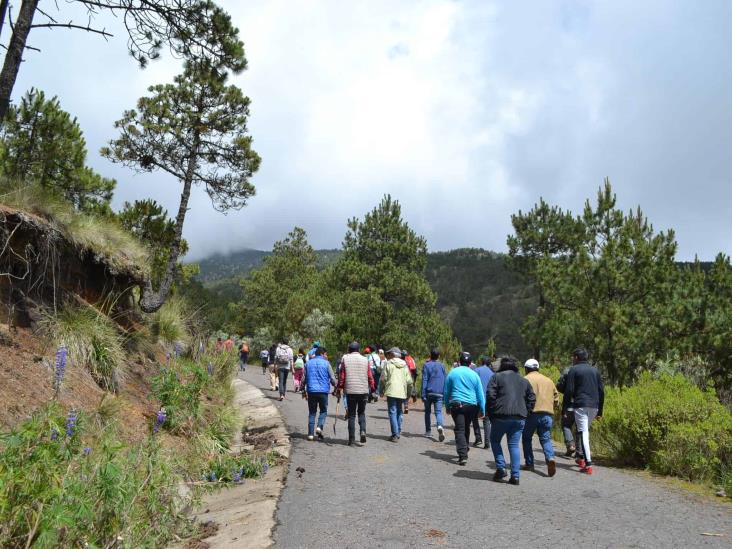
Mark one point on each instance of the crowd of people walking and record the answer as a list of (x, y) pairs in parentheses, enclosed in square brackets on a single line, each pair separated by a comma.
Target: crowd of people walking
[(493, 400)]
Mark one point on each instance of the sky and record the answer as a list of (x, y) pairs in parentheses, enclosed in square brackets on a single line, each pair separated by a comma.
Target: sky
[(466, 112)]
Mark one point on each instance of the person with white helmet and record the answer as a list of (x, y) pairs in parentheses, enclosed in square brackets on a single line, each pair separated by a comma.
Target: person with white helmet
[(540, 420)]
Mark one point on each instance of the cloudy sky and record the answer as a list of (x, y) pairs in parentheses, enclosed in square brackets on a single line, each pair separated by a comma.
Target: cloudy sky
[(464, 111)]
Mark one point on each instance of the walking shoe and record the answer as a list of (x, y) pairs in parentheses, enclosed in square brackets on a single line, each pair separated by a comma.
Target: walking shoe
[(311, 437), (428, 435), (462, 461), (440, 433), (514, 481), (477, 444), (552, 467), (487, 445), (351, 441), (406, 411), (499, 475), (570, 451), (394, 438), (527, 467), (586, 470), (363, 438), (282, 398), (376, 399), (319, 432), (580, 462)]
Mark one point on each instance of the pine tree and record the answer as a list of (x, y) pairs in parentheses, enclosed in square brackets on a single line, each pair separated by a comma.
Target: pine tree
[(380, 292), (196, 130), (42, 143)]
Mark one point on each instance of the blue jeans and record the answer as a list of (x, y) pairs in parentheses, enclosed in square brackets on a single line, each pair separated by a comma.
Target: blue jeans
[(395, 415), (315, 401), (542, 424), (433, 399), (512, 428)]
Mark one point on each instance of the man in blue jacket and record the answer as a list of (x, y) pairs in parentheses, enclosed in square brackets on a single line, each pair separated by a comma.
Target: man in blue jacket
[(433, 386), (318, 378), (465, 399)]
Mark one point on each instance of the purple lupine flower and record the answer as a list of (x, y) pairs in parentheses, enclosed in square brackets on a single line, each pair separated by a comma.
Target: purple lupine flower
[(167, 358), (160, 419), (201, 348), (236, 477), (87, 451), (60, 368), (54, 434), (265, 468), (210, 369), (212, 477), (178, 349), (71, 423)]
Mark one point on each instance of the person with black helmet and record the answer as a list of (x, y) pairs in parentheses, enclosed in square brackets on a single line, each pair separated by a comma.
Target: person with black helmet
[(356, 380), (464, 398), (510, 399)]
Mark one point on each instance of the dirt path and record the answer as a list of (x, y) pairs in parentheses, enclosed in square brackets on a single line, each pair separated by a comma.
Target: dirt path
[(244, 515), (413, 494)]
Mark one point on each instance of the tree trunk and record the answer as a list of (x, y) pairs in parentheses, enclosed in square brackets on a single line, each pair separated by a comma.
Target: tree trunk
[(14, 55), (3, 12), (150, 299)]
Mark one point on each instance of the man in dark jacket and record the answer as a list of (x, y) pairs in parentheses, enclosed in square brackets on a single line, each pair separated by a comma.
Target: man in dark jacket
[(584, 385), (510, 400)]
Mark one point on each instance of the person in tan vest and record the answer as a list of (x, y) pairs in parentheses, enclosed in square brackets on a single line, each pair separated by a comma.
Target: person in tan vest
[(355, 378), (540, 420)]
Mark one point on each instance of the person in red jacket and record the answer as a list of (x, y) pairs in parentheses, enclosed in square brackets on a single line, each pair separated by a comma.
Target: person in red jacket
[(413, 372)]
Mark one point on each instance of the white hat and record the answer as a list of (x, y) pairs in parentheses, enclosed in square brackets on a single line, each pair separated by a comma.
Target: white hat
[(531, 364)]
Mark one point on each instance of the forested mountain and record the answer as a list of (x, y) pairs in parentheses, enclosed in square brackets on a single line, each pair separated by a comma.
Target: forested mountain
[(477, 294)]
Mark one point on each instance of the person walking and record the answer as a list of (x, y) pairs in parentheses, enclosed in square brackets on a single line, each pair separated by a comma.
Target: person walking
[(356, 381), (567, 415), (395, 385), (273, 380), (412, 372), (264, 358), (485, 373), (464, 397), (375, 366), (433, 388), (298, 369), (510, 399), (243, 355), (541, 419), (317, 381), (283, 362), (584, 385)]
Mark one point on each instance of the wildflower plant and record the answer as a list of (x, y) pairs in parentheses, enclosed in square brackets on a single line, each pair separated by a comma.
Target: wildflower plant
[(59, 369)]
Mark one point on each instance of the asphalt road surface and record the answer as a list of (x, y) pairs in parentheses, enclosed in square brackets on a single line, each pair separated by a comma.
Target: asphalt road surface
[(413, 494)]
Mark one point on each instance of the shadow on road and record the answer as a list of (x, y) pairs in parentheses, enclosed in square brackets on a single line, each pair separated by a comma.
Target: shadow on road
[(473, 475), (450, 458)]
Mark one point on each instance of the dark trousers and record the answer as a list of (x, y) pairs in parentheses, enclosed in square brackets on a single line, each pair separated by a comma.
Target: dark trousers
[(356, 405), (283, 373), (462, 416)]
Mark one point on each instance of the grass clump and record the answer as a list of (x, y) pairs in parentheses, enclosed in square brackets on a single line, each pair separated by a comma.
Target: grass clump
[(170, 324), (103, 237), (93, 343)]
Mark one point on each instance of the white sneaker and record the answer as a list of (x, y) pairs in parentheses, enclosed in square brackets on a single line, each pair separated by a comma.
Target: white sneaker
[(319, 432), (441, 433), (311, 437)]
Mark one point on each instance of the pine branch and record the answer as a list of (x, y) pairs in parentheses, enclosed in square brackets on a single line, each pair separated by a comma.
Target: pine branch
[(72, 25)]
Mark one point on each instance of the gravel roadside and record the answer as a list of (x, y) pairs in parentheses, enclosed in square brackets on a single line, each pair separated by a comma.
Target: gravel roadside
[(413, 494)]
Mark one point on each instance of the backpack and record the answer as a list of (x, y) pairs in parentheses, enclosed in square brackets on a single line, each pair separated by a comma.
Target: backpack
[(264, 355), (299, 363), (281, 355)]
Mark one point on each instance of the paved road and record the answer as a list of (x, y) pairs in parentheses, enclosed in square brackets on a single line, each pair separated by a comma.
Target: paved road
[(413, 494)]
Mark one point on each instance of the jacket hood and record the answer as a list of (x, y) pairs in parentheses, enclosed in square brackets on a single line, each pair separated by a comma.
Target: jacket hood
[(398, 362)]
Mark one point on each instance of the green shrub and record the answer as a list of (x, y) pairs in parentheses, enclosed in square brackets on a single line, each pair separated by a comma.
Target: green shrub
[(93, 343), (637, 420), (179, 389), (697, 451)]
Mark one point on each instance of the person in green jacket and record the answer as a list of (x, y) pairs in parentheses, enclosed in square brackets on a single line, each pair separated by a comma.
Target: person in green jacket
[(396, 384)]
